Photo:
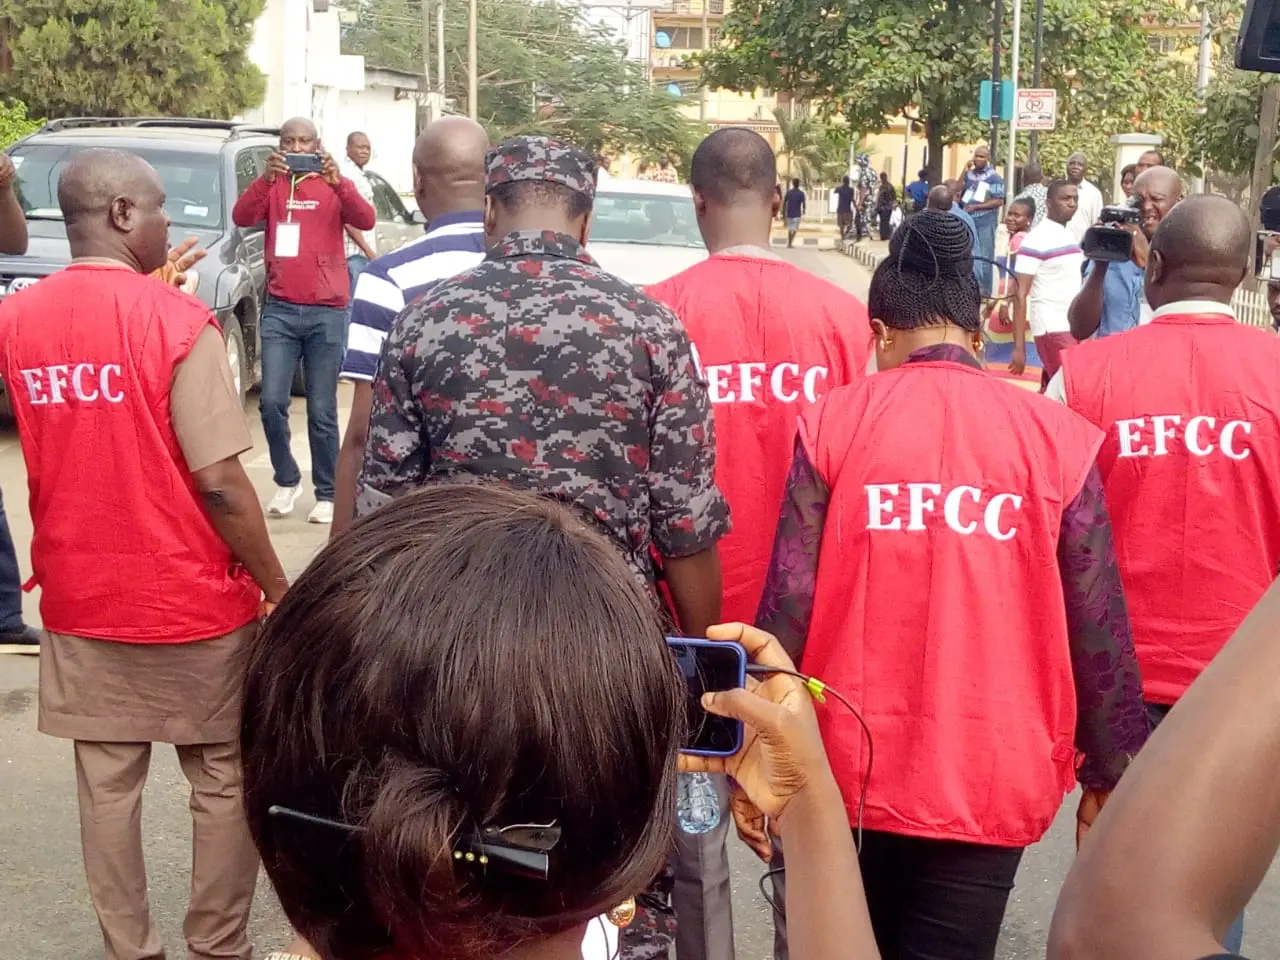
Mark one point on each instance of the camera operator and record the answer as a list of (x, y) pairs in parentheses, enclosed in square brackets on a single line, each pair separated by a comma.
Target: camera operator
[(1111, 299)]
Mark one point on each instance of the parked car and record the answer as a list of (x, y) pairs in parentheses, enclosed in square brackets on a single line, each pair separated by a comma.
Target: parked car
[(205, 166), (644, 231)]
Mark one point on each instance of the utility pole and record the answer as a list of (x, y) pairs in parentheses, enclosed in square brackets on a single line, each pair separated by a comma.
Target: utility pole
[(706, 45), (440, 51), (424, 113), (997, 22), (1262, 157), (1033, 151), (1202, 80), (473, 103)]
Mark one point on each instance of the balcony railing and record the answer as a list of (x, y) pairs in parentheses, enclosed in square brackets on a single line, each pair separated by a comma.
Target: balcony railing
[(693, 8)]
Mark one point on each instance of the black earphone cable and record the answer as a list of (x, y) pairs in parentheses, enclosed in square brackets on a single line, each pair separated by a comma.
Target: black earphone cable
[(819, 690)]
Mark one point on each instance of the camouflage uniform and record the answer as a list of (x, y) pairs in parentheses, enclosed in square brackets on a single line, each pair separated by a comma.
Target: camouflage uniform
[(539, 369)]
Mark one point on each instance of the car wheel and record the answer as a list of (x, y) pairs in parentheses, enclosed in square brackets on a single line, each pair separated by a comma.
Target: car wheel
[(233, 337)]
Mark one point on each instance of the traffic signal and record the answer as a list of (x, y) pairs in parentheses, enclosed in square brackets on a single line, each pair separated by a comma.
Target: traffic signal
[(1258, 44)]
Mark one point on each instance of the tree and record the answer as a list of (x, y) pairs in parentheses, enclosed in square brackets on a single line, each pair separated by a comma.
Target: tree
[(131, 57), (813, 151), (543, 69), (926, 58), (14, 122)]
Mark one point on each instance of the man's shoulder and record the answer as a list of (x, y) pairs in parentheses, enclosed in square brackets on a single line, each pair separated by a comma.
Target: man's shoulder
[(1049, 237), (398, 266)]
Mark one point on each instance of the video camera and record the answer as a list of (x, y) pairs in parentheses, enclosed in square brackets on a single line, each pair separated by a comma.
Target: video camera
[(1109, 240)]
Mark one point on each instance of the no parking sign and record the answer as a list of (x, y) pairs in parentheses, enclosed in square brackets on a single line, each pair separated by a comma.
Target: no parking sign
[(1037, 109)]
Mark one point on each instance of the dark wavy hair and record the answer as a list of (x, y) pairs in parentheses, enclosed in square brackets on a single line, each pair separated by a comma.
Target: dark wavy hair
[(468, 656)]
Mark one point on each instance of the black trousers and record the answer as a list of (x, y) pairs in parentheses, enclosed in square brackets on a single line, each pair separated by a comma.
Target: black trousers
[(930, 899)]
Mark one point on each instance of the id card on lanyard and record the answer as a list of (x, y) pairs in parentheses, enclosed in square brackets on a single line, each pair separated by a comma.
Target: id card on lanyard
[(288, 237)]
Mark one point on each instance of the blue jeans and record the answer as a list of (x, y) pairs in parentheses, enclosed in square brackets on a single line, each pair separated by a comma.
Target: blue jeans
[(10, 580), (1234, 940), (313, 334), (986, 229)]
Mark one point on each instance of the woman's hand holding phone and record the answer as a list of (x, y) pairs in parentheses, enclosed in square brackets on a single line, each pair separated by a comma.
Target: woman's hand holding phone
[(782, 757)]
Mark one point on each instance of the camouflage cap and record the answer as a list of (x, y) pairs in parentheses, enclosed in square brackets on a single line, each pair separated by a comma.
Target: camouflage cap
[(540, 158)]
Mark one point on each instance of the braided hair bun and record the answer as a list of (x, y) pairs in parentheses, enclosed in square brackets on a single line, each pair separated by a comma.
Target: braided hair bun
[(928, 276)]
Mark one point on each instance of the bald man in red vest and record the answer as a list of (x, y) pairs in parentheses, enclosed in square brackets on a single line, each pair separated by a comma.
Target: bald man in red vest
[(1191, 462), (771, 340)]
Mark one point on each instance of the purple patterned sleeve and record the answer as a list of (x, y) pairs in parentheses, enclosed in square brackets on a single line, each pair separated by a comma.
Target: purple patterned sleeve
[(787, 602), (1111, 724)]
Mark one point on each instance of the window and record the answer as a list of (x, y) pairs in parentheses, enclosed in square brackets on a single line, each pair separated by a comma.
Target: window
[(678, 38), (192, 182), (249, 167), (385, 200), (646, 219)]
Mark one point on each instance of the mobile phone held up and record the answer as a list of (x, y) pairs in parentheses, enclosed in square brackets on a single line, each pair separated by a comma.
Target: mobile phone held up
[(710, 666), (303, 162)]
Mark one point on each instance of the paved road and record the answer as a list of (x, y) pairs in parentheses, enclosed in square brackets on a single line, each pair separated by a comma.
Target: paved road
[(46, 913)]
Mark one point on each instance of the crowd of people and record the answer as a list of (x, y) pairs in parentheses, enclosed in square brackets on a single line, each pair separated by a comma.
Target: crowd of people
[(457, 733)]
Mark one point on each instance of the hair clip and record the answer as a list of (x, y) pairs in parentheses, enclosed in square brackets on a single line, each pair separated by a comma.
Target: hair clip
[(522, 849)]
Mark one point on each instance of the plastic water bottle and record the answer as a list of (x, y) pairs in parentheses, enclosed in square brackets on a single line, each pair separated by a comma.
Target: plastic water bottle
[(697, 803)]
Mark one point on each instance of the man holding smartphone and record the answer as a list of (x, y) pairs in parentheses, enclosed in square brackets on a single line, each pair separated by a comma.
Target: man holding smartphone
[(305, 204)]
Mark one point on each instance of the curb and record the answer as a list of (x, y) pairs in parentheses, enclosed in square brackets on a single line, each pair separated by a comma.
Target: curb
[(865, 254), (809, 243)]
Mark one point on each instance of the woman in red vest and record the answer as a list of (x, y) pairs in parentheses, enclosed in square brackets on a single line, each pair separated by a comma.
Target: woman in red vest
[(959, 584)]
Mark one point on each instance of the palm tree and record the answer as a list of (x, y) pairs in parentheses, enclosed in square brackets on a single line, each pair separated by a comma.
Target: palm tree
[(809, 153)]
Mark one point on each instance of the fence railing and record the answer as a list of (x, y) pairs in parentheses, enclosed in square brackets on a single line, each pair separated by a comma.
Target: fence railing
[(694, 7), (1251, 308)]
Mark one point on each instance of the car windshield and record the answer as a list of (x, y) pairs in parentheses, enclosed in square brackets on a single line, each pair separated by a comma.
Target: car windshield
[(192, 185), (643, 218)]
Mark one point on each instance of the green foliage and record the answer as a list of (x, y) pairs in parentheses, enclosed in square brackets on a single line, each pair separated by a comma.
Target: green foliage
[(543, 69), (132, 57), (926, 58), (811, 150), (14, 122), (1226, 134)]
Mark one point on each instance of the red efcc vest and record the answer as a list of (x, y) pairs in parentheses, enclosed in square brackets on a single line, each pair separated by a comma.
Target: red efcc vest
[(122, 548), (771, 340), (939, 609), (1191, 465)]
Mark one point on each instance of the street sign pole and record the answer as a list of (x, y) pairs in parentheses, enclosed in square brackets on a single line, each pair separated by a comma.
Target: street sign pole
[(997, 22), (1011, 165)]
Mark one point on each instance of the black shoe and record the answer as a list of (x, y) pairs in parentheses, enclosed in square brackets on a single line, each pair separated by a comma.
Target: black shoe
[(26, 640)]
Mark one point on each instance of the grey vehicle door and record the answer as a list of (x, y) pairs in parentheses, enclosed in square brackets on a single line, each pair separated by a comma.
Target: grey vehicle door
[(395, 224)]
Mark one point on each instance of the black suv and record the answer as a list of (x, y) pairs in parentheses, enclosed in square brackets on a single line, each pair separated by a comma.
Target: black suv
[(205, 166)]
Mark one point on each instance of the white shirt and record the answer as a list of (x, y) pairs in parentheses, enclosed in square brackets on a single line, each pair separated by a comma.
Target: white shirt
[(1057, 388), (1086, 215), (356, 175), (1051, 255)]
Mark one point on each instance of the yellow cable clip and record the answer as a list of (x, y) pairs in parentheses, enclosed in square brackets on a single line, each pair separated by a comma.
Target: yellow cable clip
[(816, 689)]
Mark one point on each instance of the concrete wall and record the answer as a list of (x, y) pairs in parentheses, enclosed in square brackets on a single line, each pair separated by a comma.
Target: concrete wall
[(298, 50), (391, 126)]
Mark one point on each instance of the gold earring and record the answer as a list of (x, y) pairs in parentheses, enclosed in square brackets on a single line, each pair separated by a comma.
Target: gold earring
[(886, 343), (622, 915)]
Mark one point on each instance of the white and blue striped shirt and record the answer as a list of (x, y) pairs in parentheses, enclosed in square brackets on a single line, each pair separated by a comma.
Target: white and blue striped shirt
[(454, 243)]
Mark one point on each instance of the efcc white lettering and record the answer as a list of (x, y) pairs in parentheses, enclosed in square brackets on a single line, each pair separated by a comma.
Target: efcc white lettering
[(86, 382), (1201, 436), (748, 382), (964, 509)]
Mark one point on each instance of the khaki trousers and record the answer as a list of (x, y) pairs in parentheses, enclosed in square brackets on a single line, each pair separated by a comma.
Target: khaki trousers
[(224, 869)]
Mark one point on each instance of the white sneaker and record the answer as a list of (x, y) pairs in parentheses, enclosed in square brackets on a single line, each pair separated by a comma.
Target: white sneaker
[(281, 504), (322, 512)]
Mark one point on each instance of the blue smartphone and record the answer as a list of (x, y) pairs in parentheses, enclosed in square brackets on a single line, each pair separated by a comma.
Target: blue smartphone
[(710, 665)]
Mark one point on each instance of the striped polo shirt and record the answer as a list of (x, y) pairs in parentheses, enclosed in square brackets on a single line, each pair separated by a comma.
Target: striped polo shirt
[(454, 243), (1053, 259)]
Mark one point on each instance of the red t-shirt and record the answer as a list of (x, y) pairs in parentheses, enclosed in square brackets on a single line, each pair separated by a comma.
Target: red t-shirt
[(307, 260)]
